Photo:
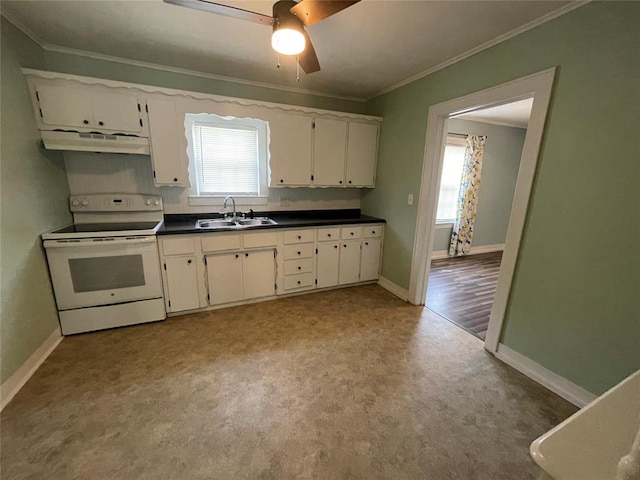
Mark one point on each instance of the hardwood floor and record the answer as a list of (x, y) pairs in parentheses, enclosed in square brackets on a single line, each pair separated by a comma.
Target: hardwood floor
[(462, 289)]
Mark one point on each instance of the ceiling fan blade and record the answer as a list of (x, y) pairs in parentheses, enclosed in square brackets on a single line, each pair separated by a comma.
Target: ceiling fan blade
[(308, 59), (226, 10), (312, 11)]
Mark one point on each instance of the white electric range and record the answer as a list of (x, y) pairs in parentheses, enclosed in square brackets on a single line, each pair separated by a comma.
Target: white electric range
[(105, 267)]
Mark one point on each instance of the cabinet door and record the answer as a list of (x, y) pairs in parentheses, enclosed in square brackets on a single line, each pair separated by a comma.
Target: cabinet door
[(290, 150), (182, 283), (327, 264), (116, 111), (349, 261), (65, 106), (259, 274), (370, 266), (329, 152), (224, 278), (362, 148), (169, 167)]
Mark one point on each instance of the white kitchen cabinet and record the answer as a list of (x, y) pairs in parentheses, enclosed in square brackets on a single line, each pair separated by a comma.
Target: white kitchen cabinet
[(259, 274), (224, 277), (362, 147), (290, 150), (181, 277), (170, 167), (237, 276), (327, 264), (89, 108), (329, 152), (370, 259), (349, 262)]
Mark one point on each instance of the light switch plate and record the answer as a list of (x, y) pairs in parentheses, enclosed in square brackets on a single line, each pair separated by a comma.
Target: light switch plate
[(410, 199)]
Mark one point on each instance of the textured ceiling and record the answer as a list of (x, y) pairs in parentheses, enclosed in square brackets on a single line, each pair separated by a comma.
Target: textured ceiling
[(363, 50)]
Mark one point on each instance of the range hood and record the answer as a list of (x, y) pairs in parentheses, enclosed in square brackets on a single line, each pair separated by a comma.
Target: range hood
[(94, 142)]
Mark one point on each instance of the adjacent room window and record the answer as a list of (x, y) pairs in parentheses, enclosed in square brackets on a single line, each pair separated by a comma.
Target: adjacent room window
[(451, 177), (229, 156)]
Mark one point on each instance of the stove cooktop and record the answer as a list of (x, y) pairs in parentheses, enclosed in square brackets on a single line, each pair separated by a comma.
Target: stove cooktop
[(111, 229)]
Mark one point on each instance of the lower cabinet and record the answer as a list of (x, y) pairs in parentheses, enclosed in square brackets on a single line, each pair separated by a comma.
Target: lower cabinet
[(349, 262), (328, 263), (181, 277), (237, 276), (370, 259)]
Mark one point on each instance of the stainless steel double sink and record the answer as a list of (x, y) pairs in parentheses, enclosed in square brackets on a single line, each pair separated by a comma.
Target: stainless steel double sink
[(212, 224)]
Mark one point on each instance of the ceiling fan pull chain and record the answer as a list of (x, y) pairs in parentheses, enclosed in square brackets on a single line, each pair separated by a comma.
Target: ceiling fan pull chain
[(297, 68), (278, 65)]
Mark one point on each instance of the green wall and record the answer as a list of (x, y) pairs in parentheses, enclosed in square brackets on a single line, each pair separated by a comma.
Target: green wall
[(33, 192), (575, 302), (500, 165), (90, 67)]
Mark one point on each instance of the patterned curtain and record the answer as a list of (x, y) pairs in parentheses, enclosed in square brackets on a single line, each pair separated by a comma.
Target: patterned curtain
[(468, 196)]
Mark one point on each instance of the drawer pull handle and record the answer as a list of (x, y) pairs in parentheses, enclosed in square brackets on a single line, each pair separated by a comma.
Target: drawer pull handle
[(246, 254), (299, 267), (299, 237), (335, 246), (351, 233), (299, 253), (189, 262), (298, 282), (373, 231), (86, 122), (344, 245), (366, 243), (328, 234), (237, 256)]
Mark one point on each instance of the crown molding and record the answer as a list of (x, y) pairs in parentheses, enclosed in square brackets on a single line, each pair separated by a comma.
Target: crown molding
[(499, 39), (194, 73), (20, 26)]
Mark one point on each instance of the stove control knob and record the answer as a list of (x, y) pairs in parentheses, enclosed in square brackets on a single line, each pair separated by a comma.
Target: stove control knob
[(85, 203), (156, 202), (148, 201), (75, 203)]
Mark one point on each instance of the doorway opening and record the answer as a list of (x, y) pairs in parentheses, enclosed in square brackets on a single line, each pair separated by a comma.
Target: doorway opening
[(462, 281), (537, 87)]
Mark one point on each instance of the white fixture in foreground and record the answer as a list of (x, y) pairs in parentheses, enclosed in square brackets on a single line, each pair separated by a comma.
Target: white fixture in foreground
[(597, 442)]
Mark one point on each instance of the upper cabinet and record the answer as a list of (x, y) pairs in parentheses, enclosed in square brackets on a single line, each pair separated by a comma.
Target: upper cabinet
[(307, 147), (89, 108), (290, 150), (170, 168), (362, 149), (322, 151)]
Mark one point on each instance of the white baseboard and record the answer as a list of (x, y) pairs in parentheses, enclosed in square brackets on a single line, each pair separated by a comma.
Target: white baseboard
[(439, 254), (545, 377), (397, 290), (15, 382)]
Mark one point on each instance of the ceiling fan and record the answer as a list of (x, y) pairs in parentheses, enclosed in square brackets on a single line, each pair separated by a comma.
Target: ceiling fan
[(288, 22)]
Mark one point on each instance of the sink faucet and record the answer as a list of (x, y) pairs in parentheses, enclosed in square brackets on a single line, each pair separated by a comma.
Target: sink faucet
[(233, 201)]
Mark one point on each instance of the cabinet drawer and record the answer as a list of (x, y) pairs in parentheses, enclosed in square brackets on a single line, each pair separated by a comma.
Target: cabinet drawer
[(298, 236), (327, 234), (292, 267), (177, 246), (351, 232), (292, 282), (263, 239), (298, 251), (372, 231), (220, 243)]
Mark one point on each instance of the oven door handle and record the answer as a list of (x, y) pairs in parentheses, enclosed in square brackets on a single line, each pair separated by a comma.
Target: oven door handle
[(99, 242)]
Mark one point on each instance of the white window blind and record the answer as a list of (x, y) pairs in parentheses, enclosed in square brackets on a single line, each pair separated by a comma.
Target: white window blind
[(226, 159), (450, 183)]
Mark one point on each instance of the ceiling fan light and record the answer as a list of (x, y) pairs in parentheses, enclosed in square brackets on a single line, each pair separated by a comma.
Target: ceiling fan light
[(288, 41)]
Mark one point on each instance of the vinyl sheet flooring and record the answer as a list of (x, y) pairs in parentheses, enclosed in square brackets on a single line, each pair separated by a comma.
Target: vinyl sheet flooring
[(345, 384)]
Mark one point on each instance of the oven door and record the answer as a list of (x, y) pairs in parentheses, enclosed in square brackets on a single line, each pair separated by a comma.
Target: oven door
[(104, 271)]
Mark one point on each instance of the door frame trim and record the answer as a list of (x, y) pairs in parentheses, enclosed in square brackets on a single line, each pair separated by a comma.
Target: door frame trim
[(538, 86)]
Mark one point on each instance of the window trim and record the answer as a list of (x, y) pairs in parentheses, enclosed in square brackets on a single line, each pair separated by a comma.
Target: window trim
[(454, 141), (195, 198)]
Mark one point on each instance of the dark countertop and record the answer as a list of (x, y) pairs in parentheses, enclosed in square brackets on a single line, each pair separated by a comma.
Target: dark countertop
[(178, 224)]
